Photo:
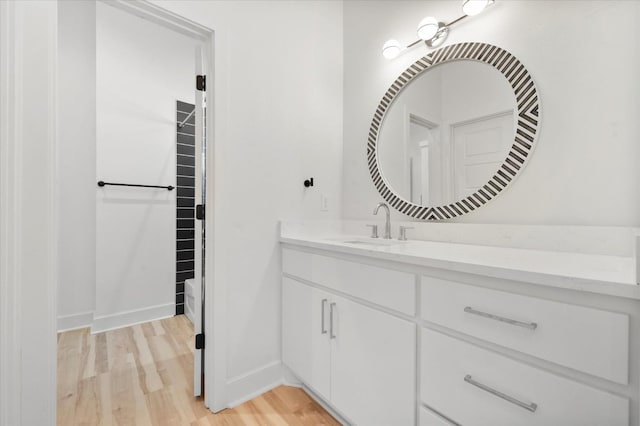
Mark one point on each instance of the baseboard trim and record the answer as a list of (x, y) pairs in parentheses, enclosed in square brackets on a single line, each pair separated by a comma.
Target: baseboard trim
[(75, 321), (247, 386), (289, 378), (129, 318), (336, 415)]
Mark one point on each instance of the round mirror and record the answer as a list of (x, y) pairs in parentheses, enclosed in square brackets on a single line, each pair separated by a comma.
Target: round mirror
[(457, 127)]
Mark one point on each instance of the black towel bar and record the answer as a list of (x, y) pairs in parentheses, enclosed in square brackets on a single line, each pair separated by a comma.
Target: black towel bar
[(103, 183)]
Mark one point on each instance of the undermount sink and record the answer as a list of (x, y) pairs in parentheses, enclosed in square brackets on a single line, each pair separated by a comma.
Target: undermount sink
[(373, 242)]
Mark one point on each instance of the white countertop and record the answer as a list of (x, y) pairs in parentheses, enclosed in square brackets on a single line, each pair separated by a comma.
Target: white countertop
[(610, 275)]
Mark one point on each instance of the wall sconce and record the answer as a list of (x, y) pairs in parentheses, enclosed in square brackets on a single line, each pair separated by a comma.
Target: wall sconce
[(434, 32)]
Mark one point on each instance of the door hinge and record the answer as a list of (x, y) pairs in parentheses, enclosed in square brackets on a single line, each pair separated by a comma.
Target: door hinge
[(200, 341), (200, 212), (201, 82)]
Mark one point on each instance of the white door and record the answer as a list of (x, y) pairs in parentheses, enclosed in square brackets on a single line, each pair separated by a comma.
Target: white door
[(479, 148), (373, 359), (305, 335), (199, 294)]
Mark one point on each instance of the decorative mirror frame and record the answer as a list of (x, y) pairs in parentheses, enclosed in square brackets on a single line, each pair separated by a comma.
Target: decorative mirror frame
[(526, 129)]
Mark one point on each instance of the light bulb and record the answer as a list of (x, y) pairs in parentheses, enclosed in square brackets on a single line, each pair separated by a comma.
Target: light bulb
[(473, 7), (391, 49), (427, 28)]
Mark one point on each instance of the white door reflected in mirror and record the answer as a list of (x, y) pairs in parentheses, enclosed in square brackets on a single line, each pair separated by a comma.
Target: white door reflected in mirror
[(479, 148), (447, 133)]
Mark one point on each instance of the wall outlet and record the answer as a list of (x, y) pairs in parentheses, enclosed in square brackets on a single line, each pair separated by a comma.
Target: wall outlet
[(324, 203)]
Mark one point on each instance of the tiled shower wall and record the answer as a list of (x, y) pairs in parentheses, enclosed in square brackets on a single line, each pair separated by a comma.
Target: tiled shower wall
[(185, 202)]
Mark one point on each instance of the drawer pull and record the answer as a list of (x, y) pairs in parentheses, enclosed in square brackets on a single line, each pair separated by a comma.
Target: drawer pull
[(529, 325), (323, 305), (530, 407)]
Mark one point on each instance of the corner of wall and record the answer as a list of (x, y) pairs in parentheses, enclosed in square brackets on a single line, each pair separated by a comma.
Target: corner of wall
[(256, 382)]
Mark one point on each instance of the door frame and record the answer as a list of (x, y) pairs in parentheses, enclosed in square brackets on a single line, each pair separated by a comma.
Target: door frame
[(215, 310), (411, 117), (18, 237), (28, 212), (9, 290)]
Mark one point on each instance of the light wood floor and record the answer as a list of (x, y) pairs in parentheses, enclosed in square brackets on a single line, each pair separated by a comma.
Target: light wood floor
[(142, 375)]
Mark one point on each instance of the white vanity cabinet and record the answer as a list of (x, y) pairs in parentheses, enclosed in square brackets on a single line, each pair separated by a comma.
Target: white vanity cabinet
[(359, 359), (497, 390), (391, 342), (558, 332), (306, 348), (372, 365), (474, 386)]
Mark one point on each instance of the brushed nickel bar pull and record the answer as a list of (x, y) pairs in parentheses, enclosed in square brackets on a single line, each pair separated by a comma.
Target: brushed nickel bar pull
[(529, 407), (323, 305), (331, 309), (529, 325)]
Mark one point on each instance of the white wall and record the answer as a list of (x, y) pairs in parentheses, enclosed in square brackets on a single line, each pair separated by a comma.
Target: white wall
[(76, 163), (278, 115), (584, 58), (142, 69), (474, 90)]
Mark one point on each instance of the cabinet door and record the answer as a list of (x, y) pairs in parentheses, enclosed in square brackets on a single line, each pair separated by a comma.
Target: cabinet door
[(305, 338), (373, 365)]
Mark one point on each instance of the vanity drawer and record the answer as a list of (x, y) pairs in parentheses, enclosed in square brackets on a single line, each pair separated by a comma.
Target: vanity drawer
[(474, 386), (589, 340), (385, 287)]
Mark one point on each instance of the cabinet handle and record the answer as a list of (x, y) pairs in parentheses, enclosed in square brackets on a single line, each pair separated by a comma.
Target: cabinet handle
[(323, 307), (529, 407), (529, 325), (331, 324)]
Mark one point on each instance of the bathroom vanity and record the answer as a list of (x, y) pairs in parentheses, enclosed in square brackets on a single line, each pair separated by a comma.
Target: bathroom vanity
[(449, 331), (434, 333)]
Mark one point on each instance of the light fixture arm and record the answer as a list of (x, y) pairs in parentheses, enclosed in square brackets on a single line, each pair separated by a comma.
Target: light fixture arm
[(441, 35), (455, 21), (392, 48)]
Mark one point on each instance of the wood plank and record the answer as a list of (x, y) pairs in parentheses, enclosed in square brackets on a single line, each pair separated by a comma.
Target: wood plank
[(142, 375)]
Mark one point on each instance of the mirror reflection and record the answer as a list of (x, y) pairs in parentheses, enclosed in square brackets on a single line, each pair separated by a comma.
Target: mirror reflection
[(447, 133)]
